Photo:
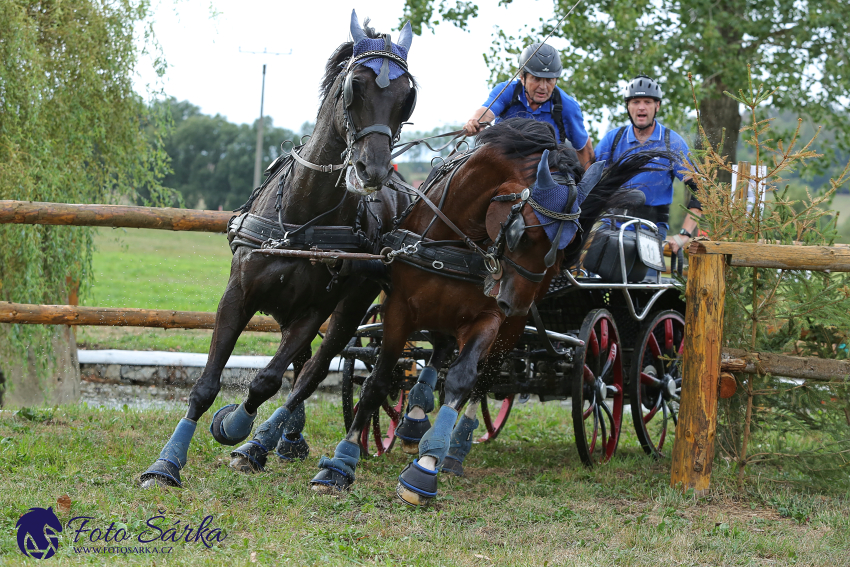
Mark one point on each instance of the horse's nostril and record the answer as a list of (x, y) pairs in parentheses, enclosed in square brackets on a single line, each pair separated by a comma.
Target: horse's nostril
[(504, 306), (361, 170)]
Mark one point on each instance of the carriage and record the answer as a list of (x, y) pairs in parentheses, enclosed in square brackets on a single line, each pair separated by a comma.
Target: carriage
[(610, 344)]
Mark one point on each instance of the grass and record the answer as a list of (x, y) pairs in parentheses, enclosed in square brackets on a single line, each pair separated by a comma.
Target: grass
[(157, 269), (526, 500)]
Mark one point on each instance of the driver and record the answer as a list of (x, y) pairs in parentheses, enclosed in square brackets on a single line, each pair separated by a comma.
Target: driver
[(535, 95), (643, 100)]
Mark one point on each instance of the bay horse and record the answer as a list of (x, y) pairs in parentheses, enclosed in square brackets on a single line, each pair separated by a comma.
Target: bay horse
[(484, 199), (366, 95)]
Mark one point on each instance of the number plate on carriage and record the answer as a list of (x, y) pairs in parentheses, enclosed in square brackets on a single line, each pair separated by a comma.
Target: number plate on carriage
[(649, 250)]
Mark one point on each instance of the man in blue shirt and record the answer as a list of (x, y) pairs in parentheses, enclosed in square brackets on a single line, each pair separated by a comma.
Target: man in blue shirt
[(535, 95), (643, 100)]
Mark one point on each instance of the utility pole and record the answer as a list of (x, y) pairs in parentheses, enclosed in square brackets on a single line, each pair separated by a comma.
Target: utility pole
[(258, 159)]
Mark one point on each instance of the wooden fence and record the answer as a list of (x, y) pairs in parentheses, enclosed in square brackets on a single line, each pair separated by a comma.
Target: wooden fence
[(705, 365), (703, 361), (116, 216)]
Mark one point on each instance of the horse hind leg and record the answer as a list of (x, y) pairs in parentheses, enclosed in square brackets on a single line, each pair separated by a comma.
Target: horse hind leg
[(461, 440), (337, 472), (344, 321), (252, 456), (421, 399), (231, 318)]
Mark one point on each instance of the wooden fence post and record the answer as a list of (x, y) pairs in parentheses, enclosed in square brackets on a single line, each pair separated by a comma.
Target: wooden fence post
[(693, 449)]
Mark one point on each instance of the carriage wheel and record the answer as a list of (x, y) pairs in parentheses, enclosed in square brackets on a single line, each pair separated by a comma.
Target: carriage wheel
[(597, 388), (493, 425), (380, 433), (655, 380)]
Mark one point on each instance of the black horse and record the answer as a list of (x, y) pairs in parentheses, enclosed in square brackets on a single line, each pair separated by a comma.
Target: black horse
[(367, 94)]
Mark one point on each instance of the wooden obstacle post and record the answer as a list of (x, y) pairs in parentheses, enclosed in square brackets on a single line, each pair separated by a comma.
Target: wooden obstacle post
[(693, 449)]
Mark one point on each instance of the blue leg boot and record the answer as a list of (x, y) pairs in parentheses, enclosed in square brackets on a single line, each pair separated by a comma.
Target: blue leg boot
[(166, 470), (337, 474), (292, 445), (461, 444), (410, 430), (232, 424), (417, 484), (251, 457)]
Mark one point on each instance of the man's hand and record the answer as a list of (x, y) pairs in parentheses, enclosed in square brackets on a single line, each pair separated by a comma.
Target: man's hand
[(474, 124), (677, 241)]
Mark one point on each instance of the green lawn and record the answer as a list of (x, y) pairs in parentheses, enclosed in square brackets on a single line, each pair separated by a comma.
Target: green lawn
[(158, 269), (526, 500)]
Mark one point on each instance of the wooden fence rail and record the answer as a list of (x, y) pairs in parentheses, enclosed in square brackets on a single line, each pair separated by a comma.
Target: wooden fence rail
[(116, 216), (24, 313), (702, 362)]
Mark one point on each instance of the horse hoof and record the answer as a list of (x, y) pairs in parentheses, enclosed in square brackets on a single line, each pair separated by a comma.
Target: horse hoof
[(411, 498), (416, 484), (410, 431), (215, 426), (249, 458), (331, 481), (161, 473), (453, 466), (292, 450)]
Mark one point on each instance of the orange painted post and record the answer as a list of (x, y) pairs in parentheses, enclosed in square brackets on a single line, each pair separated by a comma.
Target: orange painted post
[(693, 449)]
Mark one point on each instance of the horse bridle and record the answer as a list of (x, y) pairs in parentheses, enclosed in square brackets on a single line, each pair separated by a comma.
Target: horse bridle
[(346, 92), (494, 255)]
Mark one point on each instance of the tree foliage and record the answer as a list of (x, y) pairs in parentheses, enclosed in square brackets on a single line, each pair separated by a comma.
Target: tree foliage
[(72, 130), (801, 47), (801, 429), (213, 159)]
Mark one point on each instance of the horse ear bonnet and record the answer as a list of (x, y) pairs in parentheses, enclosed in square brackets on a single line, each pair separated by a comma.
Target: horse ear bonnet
[(363, 44)]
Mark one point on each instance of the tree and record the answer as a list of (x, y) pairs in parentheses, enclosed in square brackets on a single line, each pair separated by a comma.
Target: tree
[(213, 159), (800, 47), (72, 130)]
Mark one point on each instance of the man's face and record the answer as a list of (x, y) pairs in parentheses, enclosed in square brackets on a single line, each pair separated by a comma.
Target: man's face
[(643, 110), (538, 90)]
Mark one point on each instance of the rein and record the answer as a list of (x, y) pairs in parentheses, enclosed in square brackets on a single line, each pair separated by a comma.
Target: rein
[(491, 257)]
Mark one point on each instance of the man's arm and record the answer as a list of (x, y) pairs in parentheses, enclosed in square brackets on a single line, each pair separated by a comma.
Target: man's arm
[(473, 125), (585, 155), (690, 225)]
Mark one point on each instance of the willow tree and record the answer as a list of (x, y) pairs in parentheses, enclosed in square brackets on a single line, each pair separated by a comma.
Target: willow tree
[(800, 47), (72, 130)]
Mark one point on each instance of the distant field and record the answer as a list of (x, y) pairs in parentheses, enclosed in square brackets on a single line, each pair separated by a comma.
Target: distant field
[(156, 269)]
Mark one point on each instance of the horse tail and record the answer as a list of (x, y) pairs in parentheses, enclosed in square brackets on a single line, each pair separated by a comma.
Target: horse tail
[(609, 194)]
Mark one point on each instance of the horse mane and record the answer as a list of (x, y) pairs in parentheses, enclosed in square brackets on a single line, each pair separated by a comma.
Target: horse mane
[(518, 138), (338, 61)]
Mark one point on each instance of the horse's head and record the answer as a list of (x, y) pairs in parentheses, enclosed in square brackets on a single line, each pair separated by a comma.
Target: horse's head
[(377, 95), (528, 229)]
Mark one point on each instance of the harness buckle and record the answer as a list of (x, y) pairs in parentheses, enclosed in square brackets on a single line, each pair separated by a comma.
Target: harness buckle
[(437, 265), (491, 263)]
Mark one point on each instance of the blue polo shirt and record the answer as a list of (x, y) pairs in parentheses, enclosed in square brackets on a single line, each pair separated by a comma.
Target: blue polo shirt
[(571, 112), (657, 185)]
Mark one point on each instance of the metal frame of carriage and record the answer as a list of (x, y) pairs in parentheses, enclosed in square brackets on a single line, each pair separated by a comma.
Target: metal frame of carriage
[(614, 341)]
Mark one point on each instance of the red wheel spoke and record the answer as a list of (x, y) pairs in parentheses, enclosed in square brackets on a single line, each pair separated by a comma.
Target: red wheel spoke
[(376, 433), (588, 411), (588, 375), (393, 414), (668, 335), (649, 380), (603, 332), (648, 417), (652, 343), (593, 343)]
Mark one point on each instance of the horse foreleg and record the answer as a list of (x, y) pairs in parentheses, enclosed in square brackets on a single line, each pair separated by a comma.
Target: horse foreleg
[(252, 456), (417, 483), (421, 398), (338, 472), (230, 319), (461, 440)]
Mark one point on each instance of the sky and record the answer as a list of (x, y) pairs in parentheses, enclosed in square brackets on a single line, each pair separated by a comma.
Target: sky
[(209, 63)]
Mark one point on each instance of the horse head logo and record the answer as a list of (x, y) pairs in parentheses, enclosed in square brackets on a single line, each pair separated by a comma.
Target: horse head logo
[(38, 533)]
